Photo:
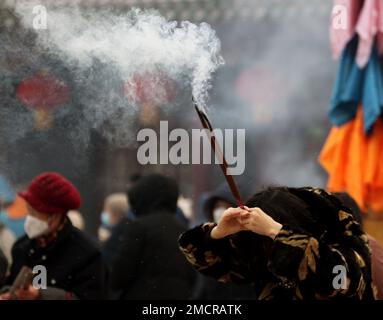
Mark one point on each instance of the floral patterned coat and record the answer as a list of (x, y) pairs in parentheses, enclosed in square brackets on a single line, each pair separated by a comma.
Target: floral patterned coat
[(298, 266)]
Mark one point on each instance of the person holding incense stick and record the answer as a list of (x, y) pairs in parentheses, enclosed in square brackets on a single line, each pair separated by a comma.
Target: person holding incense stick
[(289, 243)]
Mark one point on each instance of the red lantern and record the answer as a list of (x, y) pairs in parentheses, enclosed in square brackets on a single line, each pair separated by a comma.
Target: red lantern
[(150, 90), (43, 92)]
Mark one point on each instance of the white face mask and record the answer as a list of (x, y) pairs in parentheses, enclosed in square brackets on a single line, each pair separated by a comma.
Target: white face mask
[(35, 227), (217, 214)]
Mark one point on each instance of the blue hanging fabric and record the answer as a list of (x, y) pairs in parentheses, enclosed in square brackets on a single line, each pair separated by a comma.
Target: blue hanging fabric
[(354, 85)]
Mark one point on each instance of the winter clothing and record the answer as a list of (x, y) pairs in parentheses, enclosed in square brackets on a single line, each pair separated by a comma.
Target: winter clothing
[(295, 265), (72, 260), (52, 193), (181, 217), (376, 248), (148, 264), (111, 245), (153, 193), (208, 288)]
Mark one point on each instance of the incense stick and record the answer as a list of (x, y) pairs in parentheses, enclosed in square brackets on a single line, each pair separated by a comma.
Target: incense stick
[(206, 124)]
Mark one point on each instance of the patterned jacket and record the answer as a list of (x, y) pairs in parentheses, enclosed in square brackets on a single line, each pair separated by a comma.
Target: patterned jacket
[(298, 266)]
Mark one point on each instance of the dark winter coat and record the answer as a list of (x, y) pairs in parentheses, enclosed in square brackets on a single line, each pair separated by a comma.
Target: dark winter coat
[(149, 264), (73, 262), (109, 248), (208, 288), (298, 265)]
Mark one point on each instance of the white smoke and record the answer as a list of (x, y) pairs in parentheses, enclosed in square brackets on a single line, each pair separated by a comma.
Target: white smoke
[(134, 42)]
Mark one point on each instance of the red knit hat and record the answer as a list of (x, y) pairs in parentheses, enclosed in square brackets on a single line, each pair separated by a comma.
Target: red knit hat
[(50, 192)]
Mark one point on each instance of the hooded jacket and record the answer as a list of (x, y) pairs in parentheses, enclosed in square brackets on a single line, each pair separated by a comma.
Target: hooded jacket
[(148, 264)]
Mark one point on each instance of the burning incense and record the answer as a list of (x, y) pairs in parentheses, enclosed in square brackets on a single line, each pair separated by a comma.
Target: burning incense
[(218, 152)]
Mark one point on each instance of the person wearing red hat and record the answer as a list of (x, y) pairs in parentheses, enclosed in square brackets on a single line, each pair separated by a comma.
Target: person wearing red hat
[(73, 263)]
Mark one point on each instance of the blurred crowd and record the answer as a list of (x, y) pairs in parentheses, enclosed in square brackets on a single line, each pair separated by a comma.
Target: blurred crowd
[(135, 254)]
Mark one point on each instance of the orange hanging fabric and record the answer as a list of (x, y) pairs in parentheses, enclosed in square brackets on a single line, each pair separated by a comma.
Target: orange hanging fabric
[(353, 160)]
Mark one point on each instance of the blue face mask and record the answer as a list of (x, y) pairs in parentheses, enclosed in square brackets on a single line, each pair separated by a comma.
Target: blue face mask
[(105, 219)]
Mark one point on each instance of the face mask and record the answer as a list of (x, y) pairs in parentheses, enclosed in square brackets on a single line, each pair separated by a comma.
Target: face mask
[(217, 214), (105, 219), (35, 227)]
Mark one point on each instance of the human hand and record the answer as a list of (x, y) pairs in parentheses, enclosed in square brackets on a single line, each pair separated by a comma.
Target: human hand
[(229, 223), (256, 220), (30, 293), (22, 294)]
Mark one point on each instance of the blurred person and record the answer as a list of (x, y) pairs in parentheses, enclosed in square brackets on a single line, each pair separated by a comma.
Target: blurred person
[(114, 218), (7, 240), (286, 242), (115, 209), (148, 264), (376, 248), (73, 262), (186, 205), (208, 288), (217, 202), (182, 204), (77, 219), (133, 179), (181, 217), (222, 198), (199, 210), (184, 212)]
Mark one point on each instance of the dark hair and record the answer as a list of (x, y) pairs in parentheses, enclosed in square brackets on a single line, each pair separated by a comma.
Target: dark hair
[(307, 210), (304, 210), (284, 207)]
